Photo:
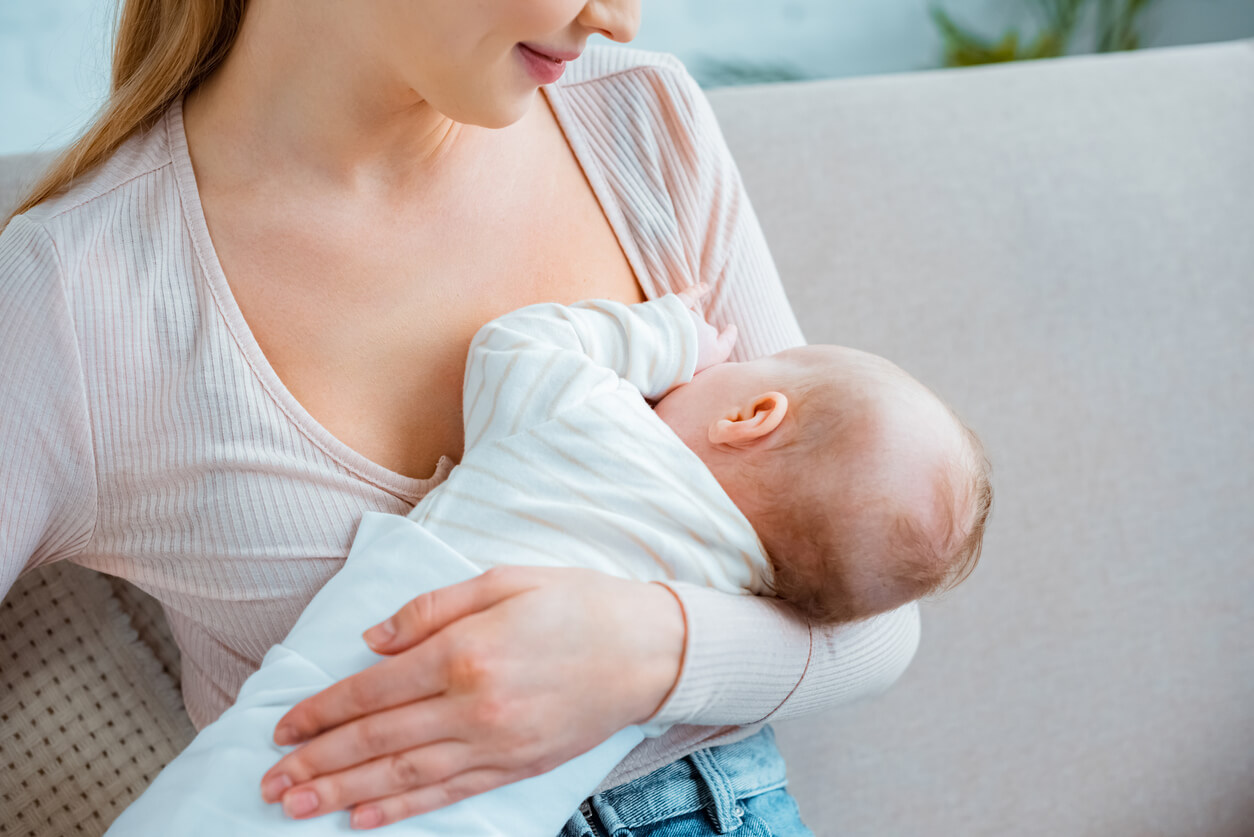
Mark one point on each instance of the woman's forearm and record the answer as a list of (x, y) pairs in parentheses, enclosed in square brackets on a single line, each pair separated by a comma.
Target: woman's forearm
[(749, 659)]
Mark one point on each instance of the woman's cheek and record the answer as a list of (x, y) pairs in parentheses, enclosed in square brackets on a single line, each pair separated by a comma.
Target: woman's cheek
[(541, 20)]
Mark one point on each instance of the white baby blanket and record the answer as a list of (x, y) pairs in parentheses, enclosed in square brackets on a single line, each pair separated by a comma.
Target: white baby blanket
[(213, 787)]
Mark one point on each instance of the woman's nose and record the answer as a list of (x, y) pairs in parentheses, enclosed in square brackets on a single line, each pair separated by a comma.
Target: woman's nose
[(618, 20)]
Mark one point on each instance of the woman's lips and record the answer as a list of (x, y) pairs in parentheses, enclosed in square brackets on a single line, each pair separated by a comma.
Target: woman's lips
[(554, 54), (544, 67)]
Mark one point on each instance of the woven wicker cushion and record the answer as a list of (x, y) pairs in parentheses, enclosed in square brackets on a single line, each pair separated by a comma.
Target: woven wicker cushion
[(88, 712)]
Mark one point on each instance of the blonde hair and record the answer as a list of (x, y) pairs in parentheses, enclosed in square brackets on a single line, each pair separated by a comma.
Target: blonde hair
[(162, 50)]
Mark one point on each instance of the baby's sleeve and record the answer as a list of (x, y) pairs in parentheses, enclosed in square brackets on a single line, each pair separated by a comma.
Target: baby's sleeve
[(529, 365), (47, 472)]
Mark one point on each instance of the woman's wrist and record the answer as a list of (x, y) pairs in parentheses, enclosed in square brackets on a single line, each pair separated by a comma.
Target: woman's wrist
[(662, 661), (744, 656)]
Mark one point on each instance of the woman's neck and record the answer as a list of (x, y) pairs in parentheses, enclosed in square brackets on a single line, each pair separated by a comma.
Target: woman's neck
[(296, 99)]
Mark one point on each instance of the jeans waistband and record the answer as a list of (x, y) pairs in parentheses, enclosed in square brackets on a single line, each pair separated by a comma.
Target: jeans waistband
[(713, 778)]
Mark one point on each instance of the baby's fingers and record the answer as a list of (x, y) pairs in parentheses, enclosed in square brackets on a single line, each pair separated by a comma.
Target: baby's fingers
[(693, 293)]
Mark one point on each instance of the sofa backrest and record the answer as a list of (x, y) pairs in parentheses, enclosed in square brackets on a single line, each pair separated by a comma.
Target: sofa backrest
[(17, 171), (1064, 250)]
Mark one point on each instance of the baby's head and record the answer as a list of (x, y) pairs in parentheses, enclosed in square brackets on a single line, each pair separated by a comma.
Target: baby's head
[(866, 490)]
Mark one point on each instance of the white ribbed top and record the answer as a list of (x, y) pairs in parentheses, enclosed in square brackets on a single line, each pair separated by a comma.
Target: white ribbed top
[(144, 434)]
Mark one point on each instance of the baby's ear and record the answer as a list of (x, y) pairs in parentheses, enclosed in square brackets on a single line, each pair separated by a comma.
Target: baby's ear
[(746, 427)]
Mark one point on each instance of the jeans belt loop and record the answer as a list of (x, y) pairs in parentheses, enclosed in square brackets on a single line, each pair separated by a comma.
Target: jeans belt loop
[(725, 813)]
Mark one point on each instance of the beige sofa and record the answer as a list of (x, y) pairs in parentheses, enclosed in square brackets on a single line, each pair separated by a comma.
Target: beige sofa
[(1064, 249)]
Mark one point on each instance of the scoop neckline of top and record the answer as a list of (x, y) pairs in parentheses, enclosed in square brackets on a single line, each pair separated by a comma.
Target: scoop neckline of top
[(408, 488)]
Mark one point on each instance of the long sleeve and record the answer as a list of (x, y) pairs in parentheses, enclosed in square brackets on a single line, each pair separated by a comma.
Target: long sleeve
[(528, 366), (47, 474), (748, 658)]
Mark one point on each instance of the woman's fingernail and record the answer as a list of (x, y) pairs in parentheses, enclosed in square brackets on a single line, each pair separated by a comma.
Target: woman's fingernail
[(381, 633), (300, 803), (367, 817), (272, 788), (283, 736)]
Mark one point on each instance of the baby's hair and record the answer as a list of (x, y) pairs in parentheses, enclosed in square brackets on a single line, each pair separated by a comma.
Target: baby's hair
[(979, 496), (795, 525)]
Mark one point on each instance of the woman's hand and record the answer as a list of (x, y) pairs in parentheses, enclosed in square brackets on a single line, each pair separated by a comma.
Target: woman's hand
[(489, 681)]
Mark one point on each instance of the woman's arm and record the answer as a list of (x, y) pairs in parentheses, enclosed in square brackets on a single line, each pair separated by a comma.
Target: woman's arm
[(748, 658), (47, 472)]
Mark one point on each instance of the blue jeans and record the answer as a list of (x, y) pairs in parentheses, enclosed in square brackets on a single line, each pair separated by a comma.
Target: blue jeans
[(736, 788)]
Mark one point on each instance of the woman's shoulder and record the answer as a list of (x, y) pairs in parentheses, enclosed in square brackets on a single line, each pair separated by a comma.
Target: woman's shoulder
[(644, 119), (113, 181), (653, 141), (119, 212), (619, 85)]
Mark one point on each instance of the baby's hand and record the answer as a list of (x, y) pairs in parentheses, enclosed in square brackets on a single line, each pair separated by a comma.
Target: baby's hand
[(713, 346)]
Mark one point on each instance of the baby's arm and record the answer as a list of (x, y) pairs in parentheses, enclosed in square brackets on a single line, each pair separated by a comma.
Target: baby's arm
[(529, 365)]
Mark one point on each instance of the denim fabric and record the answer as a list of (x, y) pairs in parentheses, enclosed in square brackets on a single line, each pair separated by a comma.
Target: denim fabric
[(736, 788)]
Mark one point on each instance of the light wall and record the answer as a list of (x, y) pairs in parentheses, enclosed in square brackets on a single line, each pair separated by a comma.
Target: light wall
[(832, 38), (54, 54)]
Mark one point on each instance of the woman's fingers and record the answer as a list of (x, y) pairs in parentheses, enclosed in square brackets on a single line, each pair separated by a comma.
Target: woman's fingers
[(414, 672), (564, 658), (411, 804), (425, 615), (417, 673), (397, 773), (419, 668), (357, 743)]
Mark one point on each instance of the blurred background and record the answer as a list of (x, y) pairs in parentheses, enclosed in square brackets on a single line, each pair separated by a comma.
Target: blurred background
[(54, 54)]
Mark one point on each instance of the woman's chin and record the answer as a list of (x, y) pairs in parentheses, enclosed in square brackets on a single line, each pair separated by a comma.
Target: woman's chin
[(498, 112), (518, 108)]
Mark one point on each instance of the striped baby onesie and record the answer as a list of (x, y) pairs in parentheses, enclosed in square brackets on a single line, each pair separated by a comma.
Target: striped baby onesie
[(567, 465)]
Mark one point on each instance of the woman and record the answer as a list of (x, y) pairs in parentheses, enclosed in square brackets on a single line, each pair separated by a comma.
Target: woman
[(234, 319)]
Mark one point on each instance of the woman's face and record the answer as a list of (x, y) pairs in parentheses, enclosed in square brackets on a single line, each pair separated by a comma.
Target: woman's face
[(465, 57)]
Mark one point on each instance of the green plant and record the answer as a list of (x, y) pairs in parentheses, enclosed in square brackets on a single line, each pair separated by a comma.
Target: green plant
[(1116, 29)]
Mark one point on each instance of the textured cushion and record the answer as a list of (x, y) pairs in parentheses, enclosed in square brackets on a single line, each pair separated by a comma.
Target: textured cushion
[(89, 714), (1063, 250)]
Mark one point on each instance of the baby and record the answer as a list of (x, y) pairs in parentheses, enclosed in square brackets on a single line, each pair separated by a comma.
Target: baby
[(865, 490), (823, 475)]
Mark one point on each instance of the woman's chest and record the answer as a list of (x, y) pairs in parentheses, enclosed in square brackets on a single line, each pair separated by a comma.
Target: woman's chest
[(369, 330)]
